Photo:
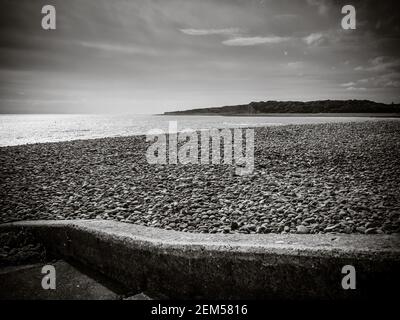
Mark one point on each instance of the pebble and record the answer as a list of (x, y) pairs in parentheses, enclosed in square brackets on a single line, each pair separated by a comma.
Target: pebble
[(308, 179), (302, 229), (370, 231)]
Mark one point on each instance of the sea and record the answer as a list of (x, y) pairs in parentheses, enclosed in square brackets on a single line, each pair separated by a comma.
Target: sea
[(18, 129)]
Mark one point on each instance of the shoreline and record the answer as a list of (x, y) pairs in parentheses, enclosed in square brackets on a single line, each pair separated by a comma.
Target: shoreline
[(377, 118), (313, 178), (361, 115)]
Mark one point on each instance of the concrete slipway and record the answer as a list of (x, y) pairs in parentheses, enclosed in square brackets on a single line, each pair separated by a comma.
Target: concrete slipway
[(174, 264)]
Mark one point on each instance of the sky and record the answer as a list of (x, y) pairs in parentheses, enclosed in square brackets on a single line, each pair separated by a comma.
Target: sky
[(151, 56)]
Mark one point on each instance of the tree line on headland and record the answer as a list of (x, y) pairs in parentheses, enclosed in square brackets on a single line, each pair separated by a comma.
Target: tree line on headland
[(320, 106)]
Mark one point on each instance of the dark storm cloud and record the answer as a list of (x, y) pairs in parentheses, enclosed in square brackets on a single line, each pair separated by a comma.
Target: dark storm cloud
[(153, 55)]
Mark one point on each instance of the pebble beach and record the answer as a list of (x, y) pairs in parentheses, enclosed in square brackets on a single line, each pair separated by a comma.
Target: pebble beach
[(308, 179)]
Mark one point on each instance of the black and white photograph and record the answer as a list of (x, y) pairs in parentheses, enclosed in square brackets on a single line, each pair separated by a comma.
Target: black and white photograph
[(198, 155)]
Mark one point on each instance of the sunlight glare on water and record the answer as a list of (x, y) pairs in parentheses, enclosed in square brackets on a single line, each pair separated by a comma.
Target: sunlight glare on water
[(34, 128)]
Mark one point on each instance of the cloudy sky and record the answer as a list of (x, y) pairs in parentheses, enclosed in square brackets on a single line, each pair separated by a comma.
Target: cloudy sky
[(151, 56)]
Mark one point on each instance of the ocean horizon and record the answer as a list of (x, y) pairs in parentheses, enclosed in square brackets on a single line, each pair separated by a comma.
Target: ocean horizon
[(19, 129)]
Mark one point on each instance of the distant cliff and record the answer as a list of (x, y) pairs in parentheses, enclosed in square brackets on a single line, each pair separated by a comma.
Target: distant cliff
[(320, 106)]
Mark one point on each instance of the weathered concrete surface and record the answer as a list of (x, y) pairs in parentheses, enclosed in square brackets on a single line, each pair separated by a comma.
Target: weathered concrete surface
[(185, 265), (139, 296), (24, 282)]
